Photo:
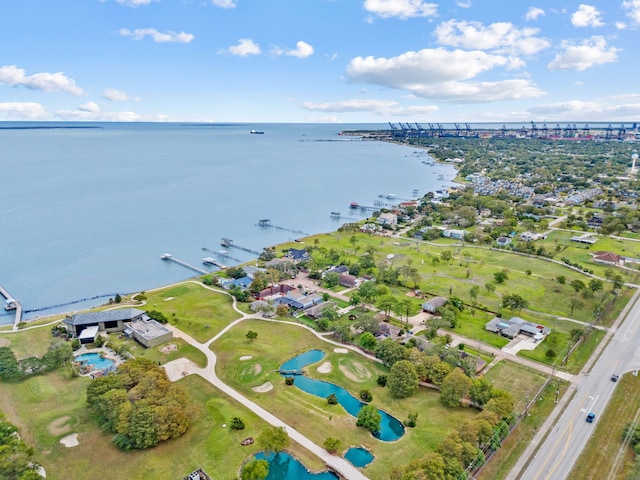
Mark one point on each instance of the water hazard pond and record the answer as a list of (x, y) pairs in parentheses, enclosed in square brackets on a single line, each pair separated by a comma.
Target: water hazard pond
[(390, 427), (285, 467)]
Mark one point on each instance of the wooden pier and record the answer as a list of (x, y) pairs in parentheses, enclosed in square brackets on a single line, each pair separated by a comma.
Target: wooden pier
[(222, 254), (12, 304), (213, 261), (169, 257), (227, 242), (265, 222)]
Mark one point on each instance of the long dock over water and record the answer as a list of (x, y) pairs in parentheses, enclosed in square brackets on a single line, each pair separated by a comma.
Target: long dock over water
[(169, 257), (12, 304)]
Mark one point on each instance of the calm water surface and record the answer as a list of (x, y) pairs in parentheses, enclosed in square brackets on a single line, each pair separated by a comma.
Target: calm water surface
[(88, 212)]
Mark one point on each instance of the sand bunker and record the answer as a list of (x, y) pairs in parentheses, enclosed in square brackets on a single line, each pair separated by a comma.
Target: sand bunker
[(341, 350), (265, 387), (356, 371), (325, 367), (59, 426), (168, 298), (70, 440), (245, 357)]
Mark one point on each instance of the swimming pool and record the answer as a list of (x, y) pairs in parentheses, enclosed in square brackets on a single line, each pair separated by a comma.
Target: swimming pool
[(94, 361)]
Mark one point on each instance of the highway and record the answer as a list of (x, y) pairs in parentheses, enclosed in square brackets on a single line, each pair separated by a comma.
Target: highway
[(561, 448)]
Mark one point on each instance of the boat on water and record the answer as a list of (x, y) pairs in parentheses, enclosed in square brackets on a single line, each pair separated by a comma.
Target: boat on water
[(256, 132), (335, 214)]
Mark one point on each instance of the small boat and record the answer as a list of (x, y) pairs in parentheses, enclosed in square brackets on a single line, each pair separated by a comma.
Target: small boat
[(335, 214), (257, 132)]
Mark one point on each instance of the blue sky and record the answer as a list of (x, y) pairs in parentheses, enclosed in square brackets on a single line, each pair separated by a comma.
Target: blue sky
[(344, 61)]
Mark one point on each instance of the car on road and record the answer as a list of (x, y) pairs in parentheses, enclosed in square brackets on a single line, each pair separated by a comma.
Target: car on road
[(590, 417), (614, 378)]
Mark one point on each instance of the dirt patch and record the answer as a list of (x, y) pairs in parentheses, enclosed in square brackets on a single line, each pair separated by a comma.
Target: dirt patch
[(59, 426), (356, 371), (325, 367), (340, 350), (172, 347), (70, 440), (245, 357), (265, 387), (5, 342)]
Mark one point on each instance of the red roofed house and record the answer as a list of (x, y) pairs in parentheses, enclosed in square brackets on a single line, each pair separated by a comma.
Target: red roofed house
[(609, 258)]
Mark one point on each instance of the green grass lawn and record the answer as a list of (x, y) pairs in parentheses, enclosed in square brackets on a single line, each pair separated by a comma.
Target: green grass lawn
[(193, 308), (277, 343), (172, 350), (520, 381), (47, 408)]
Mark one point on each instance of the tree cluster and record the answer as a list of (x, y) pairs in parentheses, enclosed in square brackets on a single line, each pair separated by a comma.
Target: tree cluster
[(139, 405), (16, 457), (58, 354)]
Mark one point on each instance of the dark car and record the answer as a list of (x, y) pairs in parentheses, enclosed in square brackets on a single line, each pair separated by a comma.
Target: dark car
[(590, 417), (614, 378)]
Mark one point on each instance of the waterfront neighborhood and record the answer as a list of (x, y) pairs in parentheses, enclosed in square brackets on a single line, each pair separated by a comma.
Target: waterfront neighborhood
[(459, 335)]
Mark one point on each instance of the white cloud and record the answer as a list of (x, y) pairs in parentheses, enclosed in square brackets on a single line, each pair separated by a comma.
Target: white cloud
[(22, 110), (441, 75), (350, 106), (302, 50), (158, 37), (89, 107), (401, 8), (633, 9), (224, 3), (608, 109), (380, 107), (464, 4), (47, 82), (134, 3), (533, 13), (501, 37), (620, 25), (115, 95), (586, 16), (244, 47), (591, 52)]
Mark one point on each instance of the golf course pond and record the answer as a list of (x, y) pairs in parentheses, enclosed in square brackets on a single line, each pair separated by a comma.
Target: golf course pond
[(390, 427), (359, 457), (283, 466)]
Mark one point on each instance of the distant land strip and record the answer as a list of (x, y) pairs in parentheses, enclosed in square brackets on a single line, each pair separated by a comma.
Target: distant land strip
[(44, 127)]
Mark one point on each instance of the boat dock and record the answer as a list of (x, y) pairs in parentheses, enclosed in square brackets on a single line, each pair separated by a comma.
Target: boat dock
[(222, 254), (227, 242), (213, 261), (265, 222), (12, 304), (169, 257)]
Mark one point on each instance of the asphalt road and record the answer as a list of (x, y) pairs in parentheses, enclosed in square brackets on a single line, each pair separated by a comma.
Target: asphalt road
[(557, 455)]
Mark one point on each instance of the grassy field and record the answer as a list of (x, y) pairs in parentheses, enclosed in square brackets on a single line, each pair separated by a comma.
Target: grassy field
[(193, 308), (522, 382), (47, 408), (597, 459), (176, 348), (277, 343)]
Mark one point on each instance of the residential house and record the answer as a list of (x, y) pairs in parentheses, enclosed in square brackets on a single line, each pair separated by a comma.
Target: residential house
[(348, 281), (106, 321), (297, 255), (388, 220), (431, 306), (386, 330), (503, 241), (242, 283), (272, 290), (453, 233), (609, 258), (516, 325), (149, 333), (586, 238), (315, 311)]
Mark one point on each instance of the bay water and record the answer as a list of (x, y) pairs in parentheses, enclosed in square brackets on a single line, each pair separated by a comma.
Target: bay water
[(87, 212)]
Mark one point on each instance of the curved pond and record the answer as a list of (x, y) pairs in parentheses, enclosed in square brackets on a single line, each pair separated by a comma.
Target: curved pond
[(283, 466), (390, 427), (359, 457)]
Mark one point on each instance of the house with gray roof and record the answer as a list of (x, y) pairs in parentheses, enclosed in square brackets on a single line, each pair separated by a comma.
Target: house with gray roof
[(431, 306), (149, 333), (107, 321), (515, 326)]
